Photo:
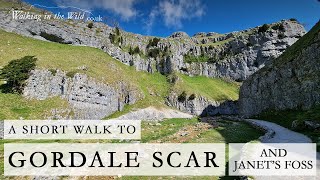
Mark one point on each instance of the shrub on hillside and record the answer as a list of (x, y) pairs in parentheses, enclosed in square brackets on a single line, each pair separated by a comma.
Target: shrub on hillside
[(279, 27), (117, 31), (90, 25), (136, 50), (131, 51), (154, 52), (281, 36), (182, 97), (263, 28), (112, 38), (71, 74), (192, 97), (153, 42), (53, 71), (189, 58), (115, 37), (172, 78), (17, 72)]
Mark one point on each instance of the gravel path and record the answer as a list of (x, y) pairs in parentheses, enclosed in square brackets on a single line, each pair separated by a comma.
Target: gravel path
[(279, 134)]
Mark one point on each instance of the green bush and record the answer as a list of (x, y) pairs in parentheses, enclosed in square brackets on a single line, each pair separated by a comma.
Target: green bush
[(279, 27), (121, 40), (182, 97), (136, 50), (71, 74), (172, 78), (281, 36), (153, 43), (112, 38), (263, 28), (17, 72), (202, 58), (131, 51), (116, 38), (212, 60), (192, 97), (90, 25), (117, 31), (53, 71), (154, 52)]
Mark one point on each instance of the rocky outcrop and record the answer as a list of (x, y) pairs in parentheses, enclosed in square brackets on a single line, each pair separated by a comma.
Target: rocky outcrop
[(88, 99), (202, 107), (235, 55), (291, 82), (179, 34)]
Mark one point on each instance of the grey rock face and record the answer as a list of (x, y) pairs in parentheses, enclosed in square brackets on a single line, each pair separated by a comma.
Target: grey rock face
[(237, 55), (292, 84), (88, 99), (179, 34), (313, 125), (203, 107)]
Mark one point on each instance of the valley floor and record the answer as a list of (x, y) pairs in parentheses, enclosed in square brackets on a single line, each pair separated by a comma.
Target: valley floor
[(216, 130), (209, 130)]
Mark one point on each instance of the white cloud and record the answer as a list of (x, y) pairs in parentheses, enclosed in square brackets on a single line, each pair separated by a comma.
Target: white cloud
[(174, 12), (124, 8)]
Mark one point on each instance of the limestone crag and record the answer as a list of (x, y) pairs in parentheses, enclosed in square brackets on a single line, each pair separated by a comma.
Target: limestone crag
[(291, 82), (235, 55), (203, 107), (88, 98)]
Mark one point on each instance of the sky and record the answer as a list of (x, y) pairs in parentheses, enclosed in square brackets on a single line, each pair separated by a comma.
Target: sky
[(163, 17)]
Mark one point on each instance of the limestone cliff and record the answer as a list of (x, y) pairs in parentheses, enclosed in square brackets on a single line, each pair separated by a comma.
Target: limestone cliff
[(201, 106), (291, 82), (87, 98), (235, 55)]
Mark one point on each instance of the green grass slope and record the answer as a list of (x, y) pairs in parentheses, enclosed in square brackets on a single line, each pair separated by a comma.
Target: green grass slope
[(153, 87)]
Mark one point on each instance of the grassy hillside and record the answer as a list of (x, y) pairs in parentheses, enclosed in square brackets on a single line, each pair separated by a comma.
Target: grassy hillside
[(212, 88), (14, 106), (153, 87)]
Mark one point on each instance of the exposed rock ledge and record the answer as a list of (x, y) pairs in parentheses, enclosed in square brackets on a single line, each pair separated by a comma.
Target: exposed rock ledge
[(88, 99), (203, 107)]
